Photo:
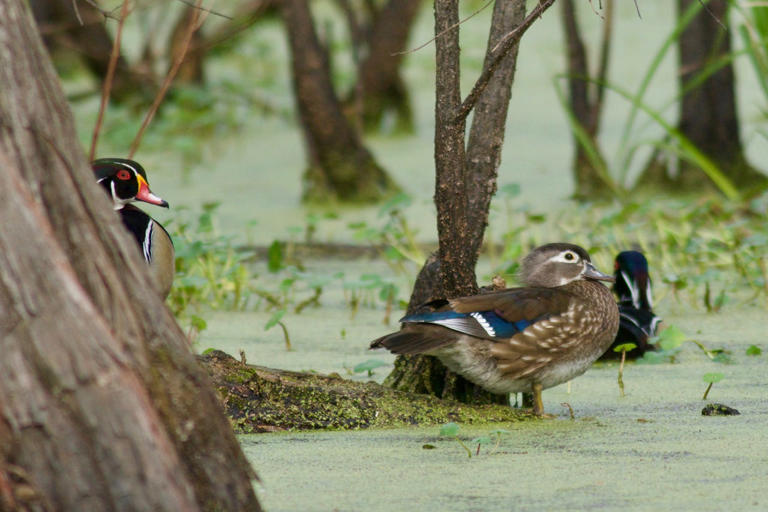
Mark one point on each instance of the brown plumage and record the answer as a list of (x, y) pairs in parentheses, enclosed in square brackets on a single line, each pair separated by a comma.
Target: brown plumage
[(520, 339)]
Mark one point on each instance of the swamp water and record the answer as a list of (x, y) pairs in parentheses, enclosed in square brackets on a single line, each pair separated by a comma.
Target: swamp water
[(650, 450)]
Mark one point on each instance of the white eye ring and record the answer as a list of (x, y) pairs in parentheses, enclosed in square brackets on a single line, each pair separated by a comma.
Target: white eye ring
[(566, 257)]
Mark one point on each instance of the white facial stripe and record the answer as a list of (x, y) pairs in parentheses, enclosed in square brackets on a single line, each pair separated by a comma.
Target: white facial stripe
[(632, 289), (117, 202), (147, 245), (648, 293), (130, 167)]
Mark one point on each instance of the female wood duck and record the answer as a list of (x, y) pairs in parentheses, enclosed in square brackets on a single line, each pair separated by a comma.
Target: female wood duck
[(632, 286), (520, 339), (126, 181)]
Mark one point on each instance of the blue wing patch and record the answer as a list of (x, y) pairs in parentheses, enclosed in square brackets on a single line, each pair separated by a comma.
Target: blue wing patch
[(483, 324)]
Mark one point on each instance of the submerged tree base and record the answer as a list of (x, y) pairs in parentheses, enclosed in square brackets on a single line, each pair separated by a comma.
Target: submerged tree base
[(259, 399)]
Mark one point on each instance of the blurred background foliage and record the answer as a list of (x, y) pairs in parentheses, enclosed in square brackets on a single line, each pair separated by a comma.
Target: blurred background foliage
[(603, 155)]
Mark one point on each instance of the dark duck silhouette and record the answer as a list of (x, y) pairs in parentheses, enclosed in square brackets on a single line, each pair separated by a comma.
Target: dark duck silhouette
[(126, 181), (637, 322), (520, 339)]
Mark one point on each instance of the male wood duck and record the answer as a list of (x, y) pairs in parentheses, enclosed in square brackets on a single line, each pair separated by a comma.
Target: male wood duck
[(637, 323), (126, 181), (520, 339)]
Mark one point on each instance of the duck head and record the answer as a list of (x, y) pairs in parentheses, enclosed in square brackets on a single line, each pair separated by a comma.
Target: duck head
[(632, 282), (558, 264), (125, 181)]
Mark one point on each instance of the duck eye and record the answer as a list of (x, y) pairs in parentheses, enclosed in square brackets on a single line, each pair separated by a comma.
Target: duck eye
[(124, 175), (569, 256)]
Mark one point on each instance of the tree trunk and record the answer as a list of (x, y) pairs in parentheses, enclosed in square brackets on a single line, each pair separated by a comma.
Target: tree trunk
[(381, 86), (340, 167), (465, 184), (708, 116), (102, 404), (60, 24), (585, 99)]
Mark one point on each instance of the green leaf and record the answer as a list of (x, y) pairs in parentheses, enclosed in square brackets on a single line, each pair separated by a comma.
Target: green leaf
[(274, 319), (499, 431), (754, 350), (208, 350), (275, 256), (198, 323), (713, 377), (481, 440), (671, 337), (625, 346), (449, 429)]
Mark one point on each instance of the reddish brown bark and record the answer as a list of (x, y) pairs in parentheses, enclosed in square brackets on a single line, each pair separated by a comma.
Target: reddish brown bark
[(102, 404)]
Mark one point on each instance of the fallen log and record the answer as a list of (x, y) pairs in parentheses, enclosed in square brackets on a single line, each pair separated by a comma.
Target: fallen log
[(260, 399)]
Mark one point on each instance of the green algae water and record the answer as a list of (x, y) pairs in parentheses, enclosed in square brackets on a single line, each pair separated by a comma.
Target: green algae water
[(651, 450)]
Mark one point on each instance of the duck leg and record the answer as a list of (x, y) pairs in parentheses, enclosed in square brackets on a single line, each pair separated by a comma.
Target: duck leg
[(538, 405)]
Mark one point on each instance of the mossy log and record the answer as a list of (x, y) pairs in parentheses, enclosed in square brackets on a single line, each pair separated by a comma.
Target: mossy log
[(259, 399)]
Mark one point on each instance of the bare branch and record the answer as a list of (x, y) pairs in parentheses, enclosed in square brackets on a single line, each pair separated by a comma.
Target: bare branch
[(107, 88), (501, 50), (77, 12), (204, 9), (194, 23), (452, 27)]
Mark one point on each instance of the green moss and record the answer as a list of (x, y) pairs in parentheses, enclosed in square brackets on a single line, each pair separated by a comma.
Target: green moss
[(260, 399)]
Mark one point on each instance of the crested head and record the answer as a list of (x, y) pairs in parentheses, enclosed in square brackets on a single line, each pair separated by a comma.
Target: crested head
[(558, 264), (125, 181)]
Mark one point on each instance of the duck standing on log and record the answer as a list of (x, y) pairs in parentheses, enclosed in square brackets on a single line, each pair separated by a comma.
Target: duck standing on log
[(126, 181), (520, 339)]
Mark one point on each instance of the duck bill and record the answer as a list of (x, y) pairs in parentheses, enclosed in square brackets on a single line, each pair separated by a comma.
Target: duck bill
[(147, 196), (592, 273)]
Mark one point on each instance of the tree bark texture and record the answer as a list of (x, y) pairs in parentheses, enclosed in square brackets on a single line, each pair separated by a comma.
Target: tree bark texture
[(340, 167), (63, 31), (102, 404), (465, 184), (708, 116), (585, 98), (381, 84)]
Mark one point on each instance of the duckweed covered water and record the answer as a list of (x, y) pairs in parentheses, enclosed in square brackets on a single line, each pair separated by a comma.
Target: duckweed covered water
[(651, 450)]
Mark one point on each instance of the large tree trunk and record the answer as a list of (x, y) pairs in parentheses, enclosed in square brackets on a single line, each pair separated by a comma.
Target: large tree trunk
[(708, 116), (585, 99), (102, 404), (465, 184), (381, 86), (340, 166)]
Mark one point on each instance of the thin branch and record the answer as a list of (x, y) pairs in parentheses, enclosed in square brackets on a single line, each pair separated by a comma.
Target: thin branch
[(205, 9), (452, 27), (194, 23), (107, 88), (77, 12), (500, 51), (705, 5)]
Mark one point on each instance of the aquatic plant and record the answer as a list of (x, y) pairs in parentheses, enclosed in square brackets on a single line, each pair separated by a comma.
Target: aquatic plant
[(623, 348), (711, 378), (452, 430)]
